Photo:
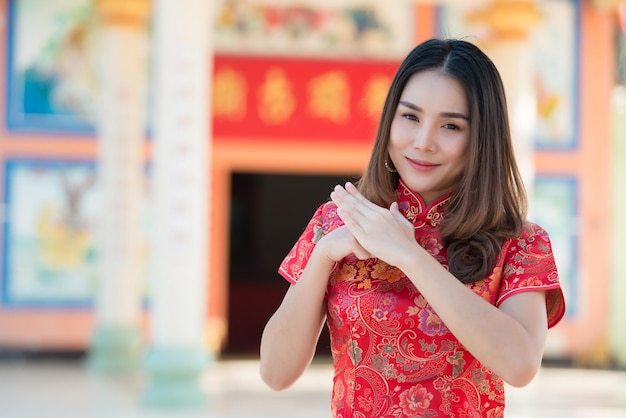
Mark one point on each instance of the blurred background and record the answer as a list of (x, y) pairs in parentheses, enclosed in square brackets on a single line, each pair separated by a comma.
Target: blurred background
[(159, 159)]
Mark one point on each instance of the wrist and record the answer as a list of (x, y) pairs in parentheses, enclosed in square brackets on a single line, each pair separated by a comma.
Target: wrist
[(322, 257), (409, 257)]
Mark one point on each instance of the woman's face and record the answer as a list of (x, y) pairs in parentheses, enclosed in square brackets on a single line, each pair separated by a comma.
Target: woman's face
[(430, 134)]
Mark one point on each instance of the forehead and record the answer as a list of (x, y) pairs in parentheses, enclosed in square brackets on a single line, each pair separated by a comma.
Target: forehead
[(436, 91)]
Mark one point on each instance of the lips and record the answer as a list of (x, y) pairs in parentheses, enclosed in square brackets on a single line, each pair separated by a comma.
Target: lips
[(421, 164)]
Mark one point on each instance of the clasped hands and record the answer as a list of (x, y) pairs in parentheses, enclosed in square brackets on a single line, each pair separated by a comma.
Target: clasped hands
[(374, 231)]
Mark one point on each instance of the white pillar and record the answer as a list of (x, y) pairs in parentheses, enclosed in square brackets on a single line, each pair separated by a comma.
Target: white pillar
[(179, 270), (121, 133), (617, 308)]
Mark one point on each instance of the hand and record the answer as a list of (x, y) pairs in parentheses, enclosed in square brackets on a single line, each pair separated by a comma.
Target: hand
[(340, 243), (384, 233)]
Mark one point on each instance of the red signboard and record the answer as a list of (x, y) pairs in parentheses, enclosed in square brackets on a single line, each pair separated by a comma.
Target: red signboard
[(297, 99)]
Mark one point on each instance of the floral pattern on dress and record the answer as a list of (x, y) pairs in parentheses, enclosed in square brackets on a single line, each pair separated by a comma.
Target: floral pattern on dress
[(392, 354)]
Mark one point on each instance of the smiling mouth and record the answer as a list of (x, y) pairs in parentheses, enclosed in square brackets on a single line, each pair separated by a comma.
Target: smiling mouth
[(422, 165)]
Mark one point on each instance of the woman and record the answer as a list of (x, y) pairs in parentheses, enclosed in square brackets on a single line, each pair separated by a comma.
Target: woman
[(435, 288)]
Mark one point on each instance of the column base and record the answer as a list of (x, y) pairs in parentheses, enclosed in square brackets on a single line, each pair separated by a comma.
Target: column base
[(115, 349), (174, 375)]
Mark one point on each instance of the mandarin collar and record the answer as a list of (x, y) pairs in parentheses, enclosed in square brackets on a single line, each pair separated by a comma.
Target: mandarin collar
[(414, 208)]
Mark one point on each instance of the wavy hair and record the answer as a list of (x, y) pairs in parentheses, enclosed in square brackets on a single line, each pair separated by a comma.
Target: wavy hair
[(489, 204)]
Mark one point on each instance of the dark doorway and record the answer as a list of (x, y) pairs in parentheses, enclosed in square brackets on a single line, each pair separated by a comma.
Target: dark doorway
[(269, 212)]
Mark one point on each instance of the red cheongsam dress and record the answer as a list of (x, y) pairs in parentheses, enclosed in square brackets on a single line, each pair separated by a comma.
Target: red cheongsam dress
[(392, 354)]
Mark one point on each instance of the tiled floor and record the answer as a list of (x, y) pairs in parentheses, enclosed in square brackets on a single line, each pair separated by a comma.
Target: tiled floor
[(63, 389)]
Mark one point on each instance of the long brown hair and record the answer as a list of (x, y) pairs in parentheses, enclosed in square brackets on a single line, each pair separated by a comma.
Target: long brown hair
[(489, 204)]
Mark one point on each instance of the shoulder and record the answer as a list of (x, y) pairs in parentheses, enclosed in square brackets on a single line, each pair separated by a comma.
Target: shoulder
[(531, 229), (329, 218), (529, 265), (529, 253), (323, 221), (531, 237)]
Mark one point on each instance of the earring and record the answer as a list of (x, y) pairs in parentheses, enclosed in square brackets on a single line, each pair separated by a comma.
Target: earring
[(389, 167)]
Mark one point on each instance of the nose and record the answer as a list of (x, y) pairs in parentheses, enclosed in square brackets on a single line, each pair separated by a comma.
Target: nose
[(424, 137)]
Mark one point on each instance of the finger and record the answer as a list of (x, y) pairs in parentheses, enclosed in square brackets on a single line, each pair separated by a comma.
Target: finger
[(344, 200), (395, 211), (338, 195), (347, 193), (361, 204), (352, 190), (360, 252), (350, 219)]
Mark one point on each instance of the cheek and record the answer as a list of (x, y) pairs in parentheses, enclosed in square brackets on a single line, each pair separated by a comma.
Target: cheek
[(395, 146), (399, 135), (461, 159), (460, 149)]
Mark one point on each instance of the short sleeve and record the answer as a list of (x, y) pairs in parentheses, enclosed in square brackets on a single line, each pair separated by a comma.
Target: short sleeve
[(323, 221), (529, 265)]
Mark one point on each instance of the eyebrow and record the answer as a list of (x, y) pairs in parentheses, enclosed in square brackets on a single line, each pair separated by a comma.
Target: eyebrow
[(445, 114)]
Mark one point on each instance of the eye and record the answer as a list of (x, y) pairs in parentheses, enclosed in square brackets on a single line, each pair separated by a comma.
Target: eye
[(451, 126), (409, 116)]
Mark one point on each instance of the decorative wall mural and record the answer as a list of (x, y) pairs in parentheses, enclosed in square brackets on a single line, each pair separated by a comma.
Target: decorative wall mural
[(52, 212), (51, 72), (52, 48), (49, 244), (555, 46), (555, 208), (356, 28)]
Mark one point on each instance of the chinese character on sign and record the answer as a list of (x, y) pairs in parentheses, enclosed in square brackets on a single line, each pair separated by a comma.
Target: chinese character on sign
[(229, 95), (375, 94), (276, 98), (329, 97)]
